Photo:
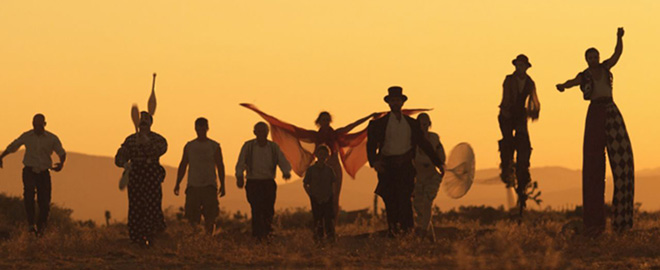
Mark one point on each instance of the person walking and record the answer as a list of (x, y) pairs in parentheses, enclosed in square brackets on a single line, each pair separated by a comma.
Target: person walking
[(260, 158), (427, 178), (320, 184), (39, 146), (519, 103), (141, 153), (204, 156), (391, 144)]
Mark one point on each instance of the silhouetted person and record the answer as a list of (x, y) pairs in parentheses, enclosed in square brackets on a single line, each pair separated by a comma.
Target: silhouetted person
[(39, 146), (204, 156), (427, 179), (604, 129), (337, 139), (141, 152), (519, 103), (391, 144), (260, 157), (320, 183)]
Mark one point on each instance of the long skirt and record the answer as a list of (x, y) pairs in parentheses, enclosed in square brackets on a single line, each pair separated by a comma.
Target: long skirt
[(605, 129), (145, 196)]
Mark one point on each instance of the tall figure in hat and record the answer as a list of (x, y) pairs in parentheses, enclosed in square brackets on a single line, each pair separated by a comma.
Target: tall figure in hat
[(604, 129), (519, 103), (39, 146), (142, 151), (391, 143)]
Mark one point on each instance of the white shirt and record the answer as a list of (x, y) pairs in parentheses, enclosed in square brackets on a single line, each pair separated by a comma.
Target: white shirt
[(263, 164), (201, 161), (38, 149), (397, 137)]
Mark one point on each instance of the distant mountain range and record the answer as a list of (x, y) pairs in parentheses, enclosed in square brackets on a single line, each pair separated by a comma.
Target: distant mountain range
[(89, 186)]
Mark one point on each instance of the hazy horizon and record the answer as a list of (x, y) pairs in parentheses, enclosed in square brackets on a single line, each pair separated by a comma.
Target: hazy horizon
[(89, 186)]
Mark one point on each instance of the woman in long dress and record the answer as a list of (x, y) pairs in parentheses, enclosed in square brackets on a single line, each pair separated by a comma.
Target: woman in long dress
[(140, 153)]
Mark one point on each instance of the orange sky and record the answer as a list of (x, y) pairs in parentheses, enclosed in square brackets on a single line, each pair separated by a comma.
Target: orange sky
[(83, 63)]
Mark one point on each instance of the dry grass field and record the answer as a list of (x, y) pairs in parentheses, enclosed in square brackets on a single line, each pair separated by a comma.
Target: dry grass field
[(468, 238)]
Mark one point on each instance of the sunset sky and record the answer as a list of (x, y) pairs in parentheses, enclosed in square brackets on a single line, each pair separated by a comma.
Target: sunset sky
[(83, 63)]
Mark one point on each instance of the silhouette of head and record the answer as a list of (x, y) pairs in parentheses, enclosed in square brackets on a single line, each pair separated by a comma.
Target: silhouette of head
[(424, 121), (323, 120), (261, 131), (592, 56), (146, 120), (201, 126), (521, 62), (322, 152), (39, 123), (395, 98)]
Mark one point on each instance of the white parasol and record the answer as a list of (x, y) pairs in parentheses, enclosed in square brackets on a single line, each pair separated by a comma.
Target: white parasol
[(459, 172)]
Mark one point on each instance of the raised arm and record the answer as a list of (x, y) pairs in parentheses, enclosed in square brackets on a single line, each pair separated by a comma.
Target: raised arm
[(183, 165), (220, 166), (609, 63), (351, 126), (570, 83)]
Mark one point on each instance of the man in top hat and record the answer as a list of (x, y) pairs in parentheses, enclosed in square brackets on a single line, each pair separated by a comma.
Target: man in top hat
[(391, 143), (519, 103)]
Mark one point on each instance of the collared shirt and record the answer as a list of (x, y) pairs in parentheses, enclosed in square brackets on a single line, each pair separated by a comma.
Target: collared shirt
[(261, 161), (38, 149), (320, 179), (201, 161), (397, 136)]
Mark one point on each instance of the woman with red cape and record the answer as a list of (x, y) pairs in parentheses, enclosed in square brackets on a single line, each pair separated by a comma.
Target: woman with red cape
[(349, 147)]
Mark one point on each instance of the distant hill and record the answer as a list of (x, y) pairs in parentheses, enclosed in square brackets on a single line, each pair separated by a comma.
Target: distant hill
[(88, 185)]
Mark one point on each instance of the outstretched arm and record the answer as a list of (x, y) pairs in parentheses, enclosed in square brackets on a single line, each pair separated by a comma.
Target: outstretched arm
[(609, 63), (570, 83), (351, 126), (13, 147)]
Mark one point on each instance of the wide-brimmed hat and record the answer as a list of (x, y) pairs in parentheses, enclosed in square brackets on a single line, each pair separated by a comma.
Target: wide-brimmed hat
[(521, 57), (395, 91)]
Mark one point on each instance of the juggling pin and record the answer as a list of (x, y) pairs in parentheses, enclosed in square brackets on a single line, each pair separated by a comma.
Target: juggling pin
[(151, 106), (135, 116)]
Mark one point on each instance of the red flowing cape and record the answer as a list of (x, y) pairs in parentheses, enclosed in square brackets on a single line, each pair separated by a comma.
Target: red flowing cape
[(352, 147)]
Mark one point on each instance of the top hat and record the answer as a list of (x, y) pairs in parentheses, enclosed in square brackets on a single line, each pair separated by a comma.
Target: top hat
[(521, 57), (395, 91)]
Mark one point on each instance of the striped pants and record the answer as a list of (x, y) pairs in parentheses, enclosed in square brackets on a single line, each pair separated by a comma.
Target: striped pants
[(605, 129)]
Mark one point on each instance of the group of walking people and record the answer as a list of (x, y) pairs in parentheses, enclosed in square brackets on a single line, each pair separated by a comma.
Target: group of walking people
[(408, 158)]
